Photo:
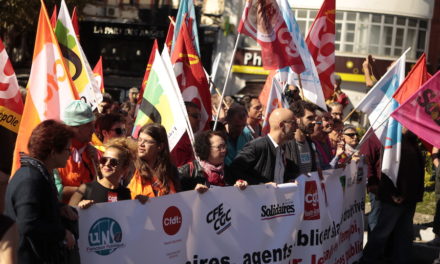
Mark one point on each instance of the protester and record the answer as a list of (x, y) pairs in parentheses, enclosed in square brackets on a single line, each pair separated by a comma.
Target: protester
[(320, 138), (336, 110), (255, 115), (398, 203), (339, 96), (8, 240), (108, 126), (215, 102), (113, 165), (263, 159), (182, 152), (235, 138), (82, 163), (155, 175), (302, 149), (210, 170), (31, 197), (346, 149), (336, 134), (133, 94), (104, 107)]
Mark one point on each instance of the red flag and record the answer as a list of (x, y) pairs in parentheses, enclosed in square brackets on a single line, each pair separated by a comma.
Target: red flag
[(262, 20), (53, 18), (413, 81), (99, 75), (321, 44), (11, 108), (147, 71), (75, 22), (191, 76), (264, 94), (169, 38), (274, 101)]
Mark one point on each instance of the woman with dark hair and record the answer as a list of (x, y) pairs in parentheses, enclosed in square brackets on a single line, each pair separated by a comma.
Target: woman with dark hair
[(210, 147), (108, 126), (155, 175), (31, 196), (113, 165)]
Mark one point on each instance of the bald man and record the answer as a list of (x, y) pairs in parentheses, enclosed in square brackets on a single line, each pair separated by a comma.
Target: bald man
[(262, 160)]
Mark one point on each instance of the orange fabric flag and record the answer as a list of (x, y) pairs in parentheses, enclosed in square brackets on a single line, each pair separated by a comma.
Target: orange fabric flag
[(99, 75), (264, 94), (147, 71), (50, 88), (413, 81)]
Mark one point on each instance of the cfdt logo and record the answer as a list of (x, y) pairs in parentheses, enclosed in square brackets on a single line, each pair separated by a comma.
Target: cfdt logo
[(220, 218), (311, 201), (172, 220), (105, 236)]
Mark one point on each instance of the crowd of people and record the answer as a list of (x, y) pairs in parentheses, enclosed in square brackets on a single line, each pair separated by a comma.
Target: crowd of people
[(90, 157)]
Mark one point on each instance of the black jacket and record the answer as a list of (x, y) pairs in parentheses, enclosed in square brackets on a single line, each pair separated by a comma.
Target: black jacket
[(255, 163), (192, 174), (31, 201)]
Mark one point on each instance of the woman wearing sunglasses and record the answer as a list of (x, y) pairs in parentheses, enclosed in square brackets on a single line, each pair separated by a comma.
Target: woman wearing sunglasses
[(108, 126), (210, 147), (155, 175), (113, 165)]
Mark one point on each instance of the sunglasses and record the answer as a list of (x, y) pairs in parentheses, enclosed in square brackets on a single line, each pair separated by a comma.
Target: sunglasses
[(112, 162), (352, 135), (119, 131)]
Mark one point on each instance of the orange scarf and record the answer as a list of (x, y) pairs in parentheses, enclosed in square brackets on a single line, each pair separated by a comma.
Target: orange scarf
[(147, 187)]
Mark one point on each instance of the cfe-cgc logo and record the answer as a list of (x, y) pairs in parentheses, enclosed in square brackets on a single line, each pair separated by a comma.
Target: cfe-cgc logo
[(311, 201), (172, 220), (220, 218), (277, 210), (105, 236)]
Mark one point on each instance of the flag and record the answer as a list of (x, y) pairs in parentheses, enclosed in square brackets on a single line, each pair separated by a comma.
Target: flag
[(75, 22), (262, 21), (191, 76), (170, 35), (50, 88), (11, 108), (274, 101), (421, 112), (147, 70), (267, 87), (98, 74), (53, 18), (321, 43), (160, 103), (416, 77), (310, 83), (75, 59), (186, 8), (379, 104)]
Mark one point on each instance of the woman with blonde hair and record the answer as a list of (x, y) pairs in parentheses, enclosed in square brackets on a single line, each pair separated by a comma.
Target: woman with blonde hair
[(155, 175)]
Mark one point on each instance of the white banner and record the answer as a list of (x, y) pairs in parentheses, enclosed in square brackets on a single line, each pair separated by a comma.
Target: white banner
[(312, 221)]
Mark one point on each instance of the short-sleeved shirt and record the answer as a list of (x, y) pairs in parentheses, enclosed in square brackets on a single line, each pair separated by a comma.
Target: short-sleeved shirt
[(100, 194)]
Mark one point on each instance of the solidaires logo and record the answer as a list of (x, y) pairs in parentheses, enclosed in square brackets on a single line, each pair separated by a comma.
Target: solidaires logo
[(105, 236)]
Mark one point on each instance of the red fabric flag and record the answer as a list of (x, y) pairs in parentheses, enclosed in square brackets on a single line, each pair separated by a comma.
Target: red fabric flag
[(53, 18), (262, 20), (98, 74), (147, 71), (11, 108), (321, 44), (191, 76), (75, 22), (413, 81), (169, 38), (264, 94)]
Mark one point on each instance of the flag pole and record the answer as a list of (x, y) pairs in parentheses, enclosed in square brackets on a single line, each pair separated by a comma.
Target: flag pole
[(226, 81)]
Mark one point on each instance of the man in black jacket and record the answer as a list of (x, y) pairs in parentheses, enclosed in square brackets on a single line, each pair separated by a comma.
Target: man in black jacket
[(262, 160)]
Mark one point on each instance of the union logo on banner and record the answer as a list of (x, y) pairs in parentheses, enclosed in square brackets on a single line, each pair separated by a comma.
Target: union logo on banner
[(172, 220), (105, 236), (311, 201), (220, 218)]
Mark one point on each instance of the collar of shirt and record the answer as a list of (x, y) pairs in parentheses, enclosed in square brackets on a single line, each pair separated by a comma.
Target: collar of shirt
[(273, 141)]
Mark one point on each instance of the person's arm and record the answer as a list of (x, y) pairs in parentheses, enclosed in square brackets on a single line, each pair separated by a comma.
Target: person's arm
[(243, 166), (9, 245), (78, 195), (369, 82), (67, 192), (435, 156)]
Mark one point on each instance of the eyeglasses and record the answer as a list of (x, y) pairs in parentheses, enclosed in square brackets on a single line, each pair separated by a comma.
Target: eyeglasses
[(219, 147), (146, 141), (119, 130), (352, 135), (112, 162)]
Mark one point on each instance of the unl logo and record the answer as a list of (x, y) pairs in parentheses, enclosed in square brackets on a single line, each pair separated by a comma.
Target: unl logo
[(311, 201), (172, 220), (105, 236)]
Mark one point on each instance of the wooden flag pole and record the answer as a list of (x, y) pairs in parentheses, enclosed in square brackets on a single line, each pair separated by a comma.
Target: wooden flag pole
[(172, 21), (226, 81)]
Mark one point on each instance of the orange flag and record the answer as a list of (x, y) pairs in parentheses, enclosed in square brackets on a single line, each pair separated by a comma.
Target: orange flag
[(50, 88), (413, 81), (147, 71), (265, 92), (99, 75)]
